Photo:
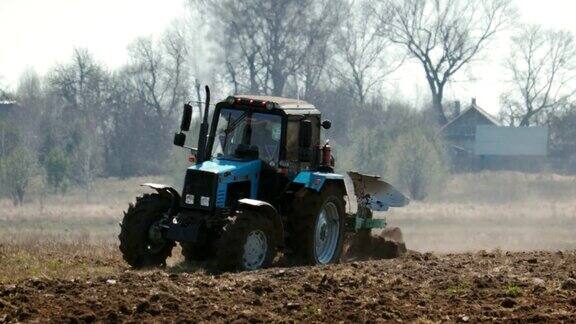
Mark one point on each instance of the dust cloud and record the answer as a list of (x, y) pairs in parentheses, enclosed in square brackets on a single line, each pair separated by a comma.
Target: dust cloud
[(492, 210)]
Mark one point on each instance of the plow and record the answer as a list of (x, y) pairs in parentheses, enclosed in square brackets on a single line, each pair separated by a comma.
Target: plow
[(374, 195), (262, 181)]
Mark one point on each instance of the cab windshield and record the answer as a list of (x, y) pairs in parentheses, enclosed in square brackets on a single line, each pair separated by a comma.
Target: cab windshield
[(239, 130)]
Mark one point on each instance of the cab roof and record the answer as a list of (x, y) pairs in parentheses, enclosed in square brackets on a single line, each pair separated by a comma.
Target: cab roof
[(288, 105)]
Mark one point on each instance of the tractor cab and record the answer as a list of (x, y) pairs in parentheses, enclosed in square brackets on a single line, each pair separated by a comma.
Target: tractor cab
[(281, 132), (256, 146)]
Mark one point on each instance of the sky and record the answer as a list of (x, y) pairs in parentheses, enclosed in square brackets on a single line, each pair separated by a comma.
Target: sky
[(37, 34), (40, 33)]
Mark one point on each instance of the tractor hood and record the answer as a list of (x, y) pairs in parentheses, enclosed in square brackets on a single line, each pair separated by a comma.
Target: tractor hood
[(207, 183), (226, 168)]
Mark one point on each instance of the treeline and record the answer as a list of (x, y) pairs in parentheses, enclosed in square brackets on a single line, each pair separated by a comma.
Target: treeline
[(83, 120)]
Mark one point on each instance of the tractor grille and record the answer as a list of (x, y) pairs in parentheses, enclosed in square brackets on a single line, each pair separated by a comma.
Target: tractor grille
[(200, 184)]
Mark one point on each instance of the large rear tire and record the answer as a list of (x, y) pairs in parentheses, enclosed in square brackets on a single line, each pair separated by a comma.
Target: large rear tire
[(247, 242), (317, 226), (140, 240)]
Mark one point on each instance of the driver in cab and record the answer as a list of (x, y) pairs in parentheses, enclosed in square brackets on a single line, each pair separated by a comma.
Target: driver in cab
[(266, 137)]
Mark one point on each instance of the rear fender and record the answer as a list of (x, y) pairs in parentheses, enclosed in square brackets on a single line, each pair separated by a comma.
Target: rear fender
[(267, 210), (168, 192), (317, 180)]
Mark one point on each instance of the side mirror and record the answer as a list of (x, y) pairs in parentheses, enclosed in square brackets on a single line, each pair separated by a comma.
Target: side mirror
[(186, 118), (305, 140), (179, 139), (326, 124)]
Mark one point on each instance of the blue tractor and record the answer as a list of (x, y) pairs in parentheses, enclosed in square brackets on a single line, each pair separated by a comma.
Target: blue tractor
[(262, 182)]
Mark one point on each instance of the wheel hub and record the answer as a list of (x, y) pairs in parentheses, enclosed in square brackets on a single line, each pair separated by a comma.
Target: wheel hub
[(323, 232), (255, 250), (327, 233), (155, 240)]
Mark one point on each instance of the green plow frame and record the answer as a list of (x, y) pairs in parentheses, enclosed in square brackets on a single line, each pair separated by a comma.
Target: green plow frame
[(357, 223)]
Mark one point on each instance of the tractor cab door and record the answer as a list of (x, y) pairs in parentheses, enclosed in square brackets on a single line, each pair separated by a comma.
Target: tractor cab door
[(299, 154), (268, 137)]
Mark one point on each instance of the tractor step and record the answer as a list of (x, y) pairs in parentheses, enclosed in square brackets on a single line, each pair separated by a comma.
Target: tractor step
[(180, 233)]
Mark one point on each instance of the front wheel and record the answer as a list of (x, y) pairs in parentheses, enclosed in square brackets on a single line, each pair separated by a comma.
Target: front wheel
[(141, 242), (247, 242)]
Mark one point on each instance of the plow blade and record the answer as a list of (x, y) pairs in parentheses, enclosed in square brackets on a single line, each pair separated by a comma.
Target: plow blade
[(375, 194)]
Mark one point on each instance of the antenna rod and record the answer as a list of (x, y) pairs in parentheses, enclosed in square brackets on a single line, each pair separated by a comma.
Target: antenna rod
[(297, 93)]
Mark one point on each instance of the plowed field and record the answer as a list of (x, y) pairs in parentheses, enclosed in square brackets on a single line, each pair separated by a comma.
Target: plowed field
[(482, 286)]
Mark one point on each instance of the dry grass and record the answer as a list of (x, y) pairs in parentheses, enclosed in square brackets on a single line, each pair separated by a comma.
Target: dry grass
[(66, 236), (57, 260), (73, 217), (72, 236)]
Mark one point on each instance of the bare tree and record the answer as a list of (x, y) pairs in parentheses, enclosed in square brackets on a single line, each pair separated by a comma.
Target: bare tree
[(442, 35), (364, 57), (80, 89), (542, 63), (242, 35), (320, 32), (29, 90), (80, 84), (268, 42), (30, 98), (160, 73), (5, 95)]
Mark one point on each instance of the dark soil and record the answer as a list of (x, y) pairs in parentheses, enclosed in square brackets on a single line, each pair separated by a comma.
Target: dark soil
[(483, 286)]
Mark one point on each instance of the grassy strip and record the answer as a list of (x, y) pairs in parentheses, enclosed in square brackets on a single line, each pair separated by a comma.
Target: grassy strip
[(57, 261)]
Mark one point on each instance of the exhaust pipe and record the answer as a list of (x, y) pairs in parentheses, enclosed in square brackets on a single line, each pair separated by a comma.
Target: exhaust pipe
[(203, 136)]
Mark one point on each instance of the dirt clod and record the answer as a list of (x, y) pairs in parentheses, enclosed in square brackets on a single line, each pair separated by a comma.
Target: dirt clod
[(87, 318), (569, 284), (142, 306), (508, 303), (367, 246)]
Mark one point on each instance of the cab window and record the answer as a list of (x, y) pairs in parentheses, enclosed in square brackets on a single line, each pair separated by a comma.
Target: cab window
[(247, 129)]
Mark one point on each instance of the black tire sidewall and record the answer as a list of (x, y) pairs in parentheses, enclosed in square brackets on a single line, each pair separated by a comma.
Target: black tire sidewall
[(133, 236)]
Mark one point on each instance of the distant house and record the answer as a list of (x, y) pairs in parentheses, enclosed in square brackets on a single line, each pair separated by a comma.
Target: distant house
[(7, 108), (476, 141), (460, 134)]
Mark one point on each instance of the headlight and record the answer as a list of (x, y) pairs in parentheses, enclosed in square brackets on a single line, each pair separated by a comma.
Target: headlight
[(205, 201), (190, 199)]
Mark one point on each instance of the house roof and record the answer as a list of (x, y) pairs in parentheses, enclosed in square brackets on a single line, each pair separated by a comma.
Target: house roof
[(473, 106)]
